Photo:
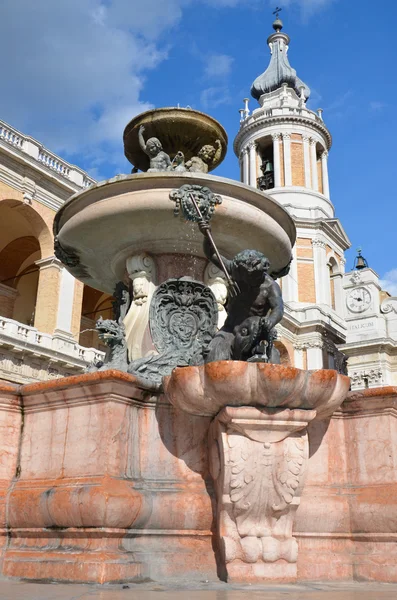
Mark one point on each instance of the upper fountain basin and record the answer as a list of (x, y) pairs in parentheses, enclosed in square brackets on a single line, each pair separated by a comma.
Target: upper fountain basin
[(206, 389), (179, 129), (102, 226)]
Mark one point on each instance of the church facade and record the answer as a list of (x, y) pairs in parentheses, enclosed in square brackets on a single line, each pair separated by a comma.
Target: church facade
[(47, 318)]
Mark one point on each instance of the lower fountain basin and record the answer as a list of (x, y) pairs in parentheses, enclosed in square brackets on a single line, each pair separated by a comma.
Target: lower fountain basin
[(206, 389)]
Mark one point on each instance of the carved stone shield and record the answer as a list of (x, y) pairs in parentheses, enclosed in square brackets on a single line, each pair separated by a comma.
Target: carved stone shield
[(183, 316)]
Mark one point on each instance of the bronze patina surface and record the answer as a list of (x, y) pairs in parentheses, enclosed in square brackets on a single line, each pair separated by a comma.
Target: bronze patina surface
[(179, 129)]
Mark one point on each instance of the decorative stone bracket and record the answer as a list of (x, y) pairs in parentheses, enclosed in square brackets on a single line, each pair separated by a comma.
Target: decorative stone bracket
[(258, 460)]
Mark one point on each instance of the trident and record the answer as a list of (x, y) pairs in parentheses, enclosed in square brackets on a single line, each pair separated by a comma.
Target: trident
[(232, 285)]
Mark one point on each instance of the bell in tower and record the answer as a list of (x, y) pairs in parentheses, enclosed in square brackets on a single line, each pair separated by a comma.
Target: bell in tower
[(266, 182)]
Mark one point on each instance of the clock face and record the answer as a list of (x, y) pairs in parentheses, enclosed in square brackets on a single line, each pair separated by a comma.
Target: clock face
[(358, 300)]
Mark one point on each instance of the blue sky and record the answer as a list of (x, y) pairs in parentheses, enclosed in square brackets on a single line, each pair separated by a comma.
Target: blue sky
[(74, 72)]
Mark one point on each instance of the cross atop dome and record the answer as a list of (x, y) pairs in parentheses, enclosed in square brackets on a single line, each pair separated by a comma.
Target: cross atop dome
[(279, 70)]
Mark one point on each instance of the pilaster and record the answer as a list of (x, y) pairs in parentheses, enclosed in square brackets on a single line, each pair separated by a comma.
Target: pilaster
[(287, 159), (321, 271), (276, 159), (306, 160), (48, 293), (252, 164), (324, 167), (314, 164)]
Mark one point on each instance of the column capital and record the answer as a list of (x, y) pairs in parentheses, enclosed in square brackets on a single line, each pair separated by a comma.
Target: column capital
[(324, 155), (312, 141), (276, 137), (319, 243), (286, 136), (50, 261), (306, 139), (252, 145)]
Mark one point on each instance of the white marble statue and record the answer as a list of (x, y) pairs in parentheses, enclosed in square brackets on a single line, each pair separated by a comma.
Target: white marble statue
[(215, 279), (141, 270)]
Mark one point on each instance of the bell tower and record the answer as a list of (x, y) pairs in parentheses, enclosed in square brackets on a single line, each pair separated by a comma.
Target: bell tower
[(283, 147)]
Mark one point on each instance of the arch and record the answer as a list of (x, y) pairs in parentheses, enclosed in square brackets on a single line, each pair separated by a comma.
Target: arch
[(285, 357), (19, 275), (17, 214), (95, 304)]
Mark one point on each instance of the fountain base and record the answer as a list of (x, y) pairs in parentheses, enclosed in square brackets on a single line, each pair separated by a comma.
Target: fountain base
[(104, 481)]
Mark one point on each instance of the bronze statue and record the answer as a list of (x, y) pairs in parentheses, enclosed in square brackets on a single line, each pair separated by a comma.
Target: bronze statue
[(248, 332), (159, 160), (205, 157)]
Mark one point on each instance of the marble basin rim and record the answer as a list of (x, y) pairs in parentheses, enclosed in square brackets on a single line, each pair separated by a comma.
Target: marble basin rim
[(205, 390), (110, 221)]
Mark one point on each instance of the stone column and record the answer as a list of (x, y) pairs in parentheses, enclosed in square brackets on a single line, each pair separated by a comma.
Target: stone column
[(314, 355), (245, 166), (287, 159), (314, 164), (276, 159), (321, 274), (290, 281), (324, 167), (258, 460), (298, 356), (48, 292), (252, 164), (306, 161), (65, 304)]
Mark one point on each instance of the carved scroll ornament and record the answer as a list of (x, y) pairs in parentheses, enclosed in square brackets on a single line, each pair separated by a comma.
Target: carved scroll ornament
[(258, 460)]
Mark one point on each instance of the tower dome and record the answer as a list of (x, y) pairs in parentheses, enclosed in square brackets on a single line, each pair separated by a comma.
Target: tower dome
[(279, 70)]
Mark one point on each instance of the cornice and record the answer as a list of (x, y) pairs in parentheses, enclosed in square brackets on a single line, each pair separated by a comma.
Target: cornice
[(276, 120)]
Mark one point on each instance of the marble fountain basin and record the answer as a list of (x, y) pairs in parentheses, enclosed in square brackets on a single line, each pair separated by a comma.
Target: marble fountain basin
[(205, 390), (99, 228)]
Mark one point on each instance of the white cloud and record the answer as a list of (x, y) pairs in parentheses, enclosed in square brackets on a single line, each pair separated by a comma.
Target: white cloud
[(214, 96), (218, 65), (73, 71), (389, 282)]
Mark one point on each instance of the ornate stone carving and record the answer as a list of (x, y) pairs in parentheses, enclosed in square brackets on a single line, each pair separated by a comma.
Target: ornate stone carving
[(286, 136), (215, 279), (206, 200), (366, 378), (258, 460), (141, 270), (317, 242), (356, 278), (388, 305), (183, 317), (276, 137)]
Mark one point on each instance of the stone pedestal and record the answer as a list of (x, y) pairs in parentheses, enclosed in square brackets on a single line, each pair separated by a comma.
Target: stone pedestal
[(258, 462), (111, 485)]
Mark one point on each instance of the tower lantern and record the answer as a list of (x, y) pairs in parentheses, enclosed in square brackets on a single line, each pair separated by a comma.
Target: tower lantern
[(284, 133)]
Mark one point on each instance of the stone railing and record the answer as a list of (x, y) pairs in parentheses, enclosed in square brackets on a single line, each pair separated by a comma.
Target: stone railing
[(27, 354), (11, 136), (44, 157), (54, 163)]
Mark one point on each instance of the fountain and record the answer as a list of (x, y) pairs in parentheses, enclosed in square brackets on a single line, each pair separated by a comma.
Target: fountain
[(183, 455)]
